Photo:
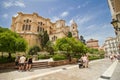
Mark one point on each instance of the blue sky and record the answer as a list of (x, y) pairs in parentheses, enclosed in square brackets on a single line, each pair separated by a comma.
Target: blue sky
[(92, 16)]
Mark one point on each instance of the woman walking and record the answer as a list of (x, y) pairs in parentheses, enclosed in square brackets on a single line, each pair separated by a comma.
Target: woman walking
[(29, 64)]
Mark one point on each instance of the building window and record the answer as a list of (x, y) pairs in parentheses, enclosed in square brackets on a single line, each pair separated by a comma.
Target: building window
[(26, 27), (38, 29), (43, 29), (23, 27), (29, 27), (40, 23), (27, 20), (54, 38)]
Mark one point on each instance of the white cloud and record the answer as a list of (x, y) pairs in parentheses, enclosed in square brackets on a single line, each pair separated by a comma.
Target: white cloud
[(15, 15), (64, 14), (19, 4), (8, 4), (55, 18), (83, 19), (93, 26), (5, 15), (98, 32), (71, 21)]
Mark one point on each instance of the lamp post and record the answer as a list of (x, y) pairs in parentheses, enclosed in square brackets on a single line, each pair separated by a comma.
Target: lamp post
[(114, 23)]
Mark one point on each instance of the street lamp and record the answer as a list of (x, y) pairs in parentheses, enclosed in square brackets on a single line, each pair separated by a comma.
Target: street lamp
[(114, 23)]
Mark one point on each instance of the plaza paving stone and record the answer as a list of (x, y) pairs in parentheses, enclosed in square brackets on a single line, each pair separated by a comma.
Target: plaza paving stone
[(92, 73), (116, 73), (67, 72)]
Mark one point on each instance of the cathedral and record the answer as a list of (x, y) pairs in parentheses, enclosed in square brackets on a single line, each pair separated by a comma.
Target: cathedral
[(29, 26)]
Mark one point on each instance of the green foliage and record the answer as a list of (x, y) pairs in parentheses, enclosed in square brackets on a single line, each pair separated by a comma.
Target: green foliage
[(69, 34), (33, 50), (6, 60), (44, 38), (59, 57), (21, 45), (70, 45), (93, 57), (44, 56), (93, 51), (49, 47), (11, 42)]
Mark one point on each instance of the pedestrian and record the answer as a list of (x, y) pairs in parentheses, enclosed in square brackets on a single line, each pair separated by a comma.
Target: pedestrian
[(80, 62), (22, 62), (85, 61), (17, 61), (29, 63), (111, 57)]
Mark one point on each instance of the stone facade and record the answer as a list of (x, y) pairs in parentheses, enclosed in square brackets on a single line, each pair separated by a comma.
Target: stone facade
[(92, 43), (110, 46), (114, 6), (29, 26)]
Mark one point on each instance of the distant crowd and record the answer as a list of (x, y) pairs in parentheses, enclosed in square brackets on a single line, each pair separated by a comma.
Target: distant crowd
[(114, 57)]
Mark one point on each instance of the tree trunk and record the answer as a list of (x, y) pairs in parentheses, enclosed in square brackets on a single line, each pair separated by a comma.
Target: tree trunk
[(2, 55), (9, 55), (69, 57)]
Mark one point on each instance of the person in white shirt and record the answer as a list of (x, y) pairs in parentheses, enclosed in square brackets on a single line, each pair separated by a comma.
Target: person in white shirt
[(85, 61), (22, 62)]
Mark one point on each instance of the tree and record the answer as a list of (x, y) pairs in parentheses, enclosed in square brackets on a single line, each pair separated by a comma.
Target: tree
[(11, 42), (69, 34), (43, 38), (93, 51), (33, 50), (49, 47), (69, 46)]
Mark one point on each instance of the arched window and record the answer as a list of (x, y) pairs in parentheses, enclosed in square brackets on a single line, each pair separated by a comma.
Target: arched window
[(26, 27), (24, 20), (23, 27), (29, 27), (27, 20), (38, 29)]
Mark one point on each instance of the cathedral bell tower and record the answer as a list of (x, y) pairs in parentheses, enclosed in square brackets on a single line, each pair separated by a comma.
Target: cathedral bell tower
[(74, 29)]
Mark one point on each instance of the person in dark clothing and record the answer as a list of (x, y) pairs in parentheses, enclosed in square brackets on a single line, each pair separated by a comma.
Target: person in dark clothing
[(80, 63), (29, 64), (17, 61)]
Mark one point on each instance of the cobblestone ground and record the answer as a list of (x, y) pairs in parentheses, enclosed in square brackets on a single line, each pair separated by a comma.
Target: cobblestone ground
[(116, 73), (92, 73), (96, 68)]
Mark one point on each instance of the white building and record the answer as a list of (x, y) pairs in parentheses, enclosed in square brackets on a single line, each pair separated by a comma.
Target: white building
[(110, 46)]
